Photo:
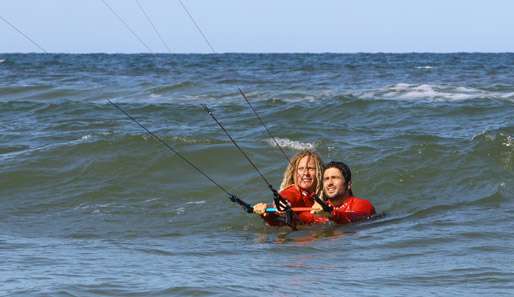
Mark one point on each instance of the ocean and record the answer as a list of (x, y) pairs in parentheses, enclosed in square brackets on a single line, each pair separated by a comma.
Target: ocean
[(91, 205)]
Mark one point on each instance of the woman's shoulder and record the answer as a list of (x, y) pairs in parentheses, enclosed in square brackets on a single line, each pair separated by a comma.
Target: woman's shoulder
[(290, 188), (290, 191)]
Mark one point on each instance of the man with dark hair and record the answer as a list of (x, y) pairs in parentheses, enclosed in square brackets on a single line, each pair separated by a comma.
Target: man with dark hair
[(337, 190)]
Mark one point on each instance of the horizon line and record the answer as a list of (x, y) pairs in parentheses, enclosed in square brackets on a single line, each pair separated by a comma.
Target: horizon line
[(255, 53)]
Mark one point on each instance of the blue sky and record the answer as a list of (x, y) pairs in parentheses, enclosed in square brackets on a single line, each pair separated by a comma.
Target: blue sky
[(86, 26)]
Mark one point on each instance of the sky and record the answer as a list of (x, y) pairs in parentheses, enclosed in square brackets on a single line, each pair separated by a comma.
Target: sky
[(264, 26)]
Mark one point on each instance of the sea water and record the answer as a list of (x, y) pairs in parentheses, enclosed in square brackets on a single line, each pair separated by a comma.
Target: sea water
[(91, 205)]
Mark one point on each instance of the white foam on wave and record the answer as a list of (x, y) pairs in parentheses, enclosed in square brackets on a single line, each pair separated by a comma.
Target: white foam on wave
[(293, 144), (191, 140), (95, 208), (404, 91), (509, 96), (424, 67), (196, 202), (83, 139), (45, 147), (508, 141), (2, 60)]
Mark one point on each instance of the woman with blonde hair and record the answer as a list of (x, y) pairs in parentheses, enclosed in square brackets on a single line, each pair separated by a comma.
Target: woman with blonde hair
[(316, 167), (301, 182)]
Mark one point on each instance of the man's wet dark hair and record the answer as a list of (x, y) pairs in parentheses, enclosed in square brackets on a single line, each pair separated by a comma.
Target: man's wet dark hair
[(345, 171)]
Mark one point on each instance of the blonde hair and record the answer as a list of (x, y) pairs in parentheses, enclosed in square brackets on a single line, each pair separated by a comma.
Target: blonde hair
[(292, 167)]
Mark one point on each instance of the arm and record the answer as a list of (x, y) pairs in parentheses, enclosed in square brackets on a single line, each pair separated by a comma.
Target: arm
[(272, 218)]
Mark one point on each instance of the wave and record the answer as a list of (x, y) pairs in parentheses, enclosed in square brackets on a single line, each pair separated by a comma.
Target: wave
[(12, 149), (163, 89), (15, 90), (7, 153), (99, 140), (144, 100), (293, 144), (405, 91), (498, 137), (497, 146)]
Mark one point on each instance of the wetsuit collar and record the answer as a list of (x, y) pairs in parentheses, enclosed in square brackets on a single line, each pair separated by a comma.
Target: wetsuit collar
[(339, 201)]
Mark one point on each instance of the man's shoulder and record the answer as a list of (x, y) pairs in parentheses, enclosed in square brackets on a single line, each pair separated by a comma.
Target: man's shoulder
[(361, 204)]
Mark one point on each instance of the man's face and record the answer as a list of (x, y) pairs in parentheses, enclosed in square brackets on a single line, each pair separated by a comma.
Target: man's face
[(334, 184)]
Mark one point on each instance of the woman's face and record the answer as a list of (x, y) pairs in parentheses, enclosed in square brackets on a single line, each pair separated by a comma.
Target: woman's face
[(306, 174)]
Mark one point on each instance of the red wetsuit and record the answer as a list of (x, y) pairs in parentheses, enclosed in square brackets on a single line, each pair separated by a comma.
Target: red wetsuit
[(297, 198), (352, 210)]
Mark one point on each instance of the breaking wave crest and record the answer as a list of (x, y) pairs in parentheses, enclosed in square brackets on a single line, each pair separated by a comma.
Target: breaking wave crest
[(429, 92), (292, 144)]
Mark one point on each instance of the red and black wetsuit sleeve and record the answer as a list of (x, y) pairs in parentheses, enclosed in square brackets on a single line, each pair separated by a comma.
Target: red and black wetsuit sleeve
[(293, 196)]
